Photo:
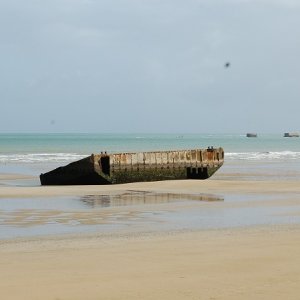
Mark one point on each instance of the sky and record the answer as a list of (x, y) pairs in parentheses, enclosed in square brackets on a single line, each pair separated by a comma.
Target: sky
[(154, 66)]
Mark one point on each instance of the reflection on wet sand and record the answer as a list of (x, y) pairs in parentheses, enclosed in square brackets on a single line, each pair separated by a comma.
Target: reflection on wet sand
[(132, 197), (94, 211)]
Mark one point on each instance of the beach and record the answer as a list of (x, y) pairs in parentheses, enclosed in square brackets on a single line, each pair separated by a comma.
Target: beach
[(232, 236), (145, 259)]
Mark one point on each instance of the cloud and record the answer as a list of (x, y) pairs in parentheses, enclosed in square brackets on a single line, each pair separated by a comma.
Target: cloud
[(145, 58)]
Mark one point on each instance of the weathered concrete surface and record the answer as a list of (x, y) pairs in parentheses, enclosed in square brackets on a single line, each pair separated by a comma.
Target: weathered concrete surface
[(140, 166)]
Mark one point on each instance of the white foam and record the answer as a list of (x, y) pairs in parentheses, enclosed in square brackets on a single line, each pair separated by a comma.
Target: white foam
[(69, 157), (40, 157), (270, 156)]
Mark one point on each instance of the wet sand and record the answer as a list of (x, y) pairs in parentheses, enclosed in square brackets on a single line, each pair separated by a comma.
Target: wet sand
[(251, 262)]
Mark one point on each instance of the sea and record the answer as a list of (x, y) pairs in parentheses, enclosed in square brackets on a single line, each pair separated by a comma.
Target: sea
[(268, 157), (265, 157)]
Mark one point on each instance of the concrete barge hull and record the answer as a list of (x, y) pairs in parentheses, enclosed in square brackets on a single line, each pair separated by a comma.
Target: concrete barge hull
[(100, 169)]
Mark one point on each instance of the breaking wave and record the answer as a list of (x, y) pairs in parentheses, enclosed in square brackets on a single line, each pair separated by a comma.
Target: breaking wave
[(40, 157), (270, 156), (69, 157)]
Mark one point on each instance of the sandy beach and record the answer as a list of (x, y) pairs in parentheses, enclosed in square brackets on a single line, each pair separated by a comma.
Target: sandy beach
[(251, 262), (241, 264)]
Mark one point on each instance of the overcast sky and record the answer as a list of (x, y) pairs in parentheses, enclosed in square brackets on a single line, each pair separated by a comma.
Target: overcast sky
[(150, 66)]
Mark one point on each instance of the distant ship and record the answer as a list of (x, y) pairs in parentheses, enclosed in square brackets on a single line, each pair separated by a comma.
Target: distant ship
[(291, 134), (117, 168), (251, 134)]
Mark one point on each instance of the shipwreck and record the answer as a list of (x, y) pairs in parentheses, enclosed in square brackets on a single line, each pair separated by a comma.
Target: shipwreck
[(117, 168)]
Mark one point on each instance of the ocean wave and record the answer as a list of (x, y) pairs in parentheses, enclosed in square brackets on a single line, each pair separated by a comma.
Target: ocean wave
[(40, 157), (269, 156), (69, 157)]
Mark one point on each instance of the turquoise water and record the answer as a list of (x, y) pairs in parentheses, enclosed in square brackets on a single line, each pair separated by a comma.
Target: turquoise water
[(269, 154), (84, 144)]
